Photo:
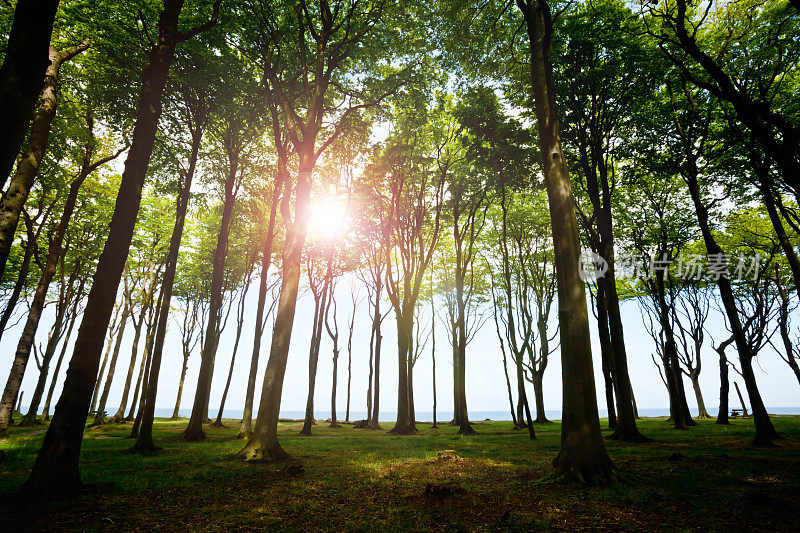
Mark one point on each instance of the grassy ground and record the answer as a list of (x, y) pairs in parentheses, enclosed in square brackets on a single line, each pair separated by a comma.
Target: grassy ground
[(708, 478)]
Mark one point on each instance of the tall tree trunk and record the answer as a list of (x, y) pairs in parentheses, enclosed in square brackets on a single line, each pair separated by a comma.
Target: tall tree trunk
[(376, 381), (30, 418), (64, 346), (194, 430), (350, 361), (765, 431), (152, 324), (56, 468), (137, 421), (112, 331), (724, 388), (403, 425), (176, 410), (281, 178), (679, 409), (22, 278), (334, 335), (626, 430), (28, 166), (433, 359), (239, 324), (26, 339), (741, 400), (99, 417), (583, 454), (523, 407), (263, 445), (605, 354), (313, 360), (144, 440), (698, 394), (147, 301), (24, 65)]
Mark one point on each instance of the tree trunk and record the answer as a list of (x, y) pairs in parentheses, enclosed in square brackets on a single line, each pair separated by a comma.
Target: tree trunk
[(605, 355), (626, 430), (99, 417), (239, 324), (119, 416), (765, 431), (141, 385), (433, 360), (22, 278), (741, 400), (24, 65), (112, 330), (144, 440), (21, 183), (376, 382), (26, 339), (538, 394), (523, 407), (137, 421), (583, 455), (313, 358), (54, 380), (724, 387), (245, 431), (30, 418), (55, 471), (263, 444), (698, 394), (194, 430), (403, 425)]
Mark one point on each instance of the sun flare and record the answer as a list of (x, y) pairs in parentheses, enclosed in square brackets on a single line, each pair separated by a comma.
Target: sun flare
[(328, 217)]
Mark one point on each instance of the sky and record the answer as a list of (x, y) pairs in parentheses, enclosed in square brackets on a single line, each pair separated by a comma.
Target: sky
[(486, 387)]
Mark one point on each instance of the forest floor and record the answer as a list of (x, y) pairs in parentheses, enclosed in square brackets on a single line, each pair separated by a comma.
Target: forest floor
[(708, 478)]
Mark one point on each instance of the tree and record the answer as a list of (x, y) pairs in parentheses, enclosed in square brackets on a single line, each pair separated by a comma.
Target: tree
[(601, 83), (28, 166), (582, 453), (235, 129), (56, 468), (325, 43)]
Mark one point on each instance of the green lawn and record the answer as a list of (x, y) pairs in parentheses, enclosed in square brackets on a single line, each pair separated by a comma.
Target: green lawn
[(708, 477)]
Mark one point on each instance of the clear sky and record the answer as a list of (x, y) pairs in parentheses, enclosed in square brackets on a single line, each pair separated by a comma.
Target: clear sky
[(486, 389)]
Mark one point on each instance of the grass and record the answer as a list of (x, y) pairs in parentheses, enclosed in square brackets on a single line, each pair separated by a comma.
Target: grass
[(708, 477)]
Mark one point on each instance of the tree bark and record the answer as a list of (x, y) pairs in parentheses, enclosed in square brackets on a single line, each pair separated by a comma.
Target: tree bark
[(24, 65), (583, 455), (376, 381), (320, 304), (698, 394), (147, 301), (55, 471)]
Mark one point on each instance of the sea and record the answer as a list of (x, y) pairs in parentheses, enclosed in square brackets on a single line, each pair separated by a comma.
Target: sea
[(427, 416)]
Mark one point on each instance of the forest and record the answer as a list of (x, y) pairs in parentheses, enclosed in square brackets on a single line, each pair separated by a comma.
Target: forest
[(238, 237)]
